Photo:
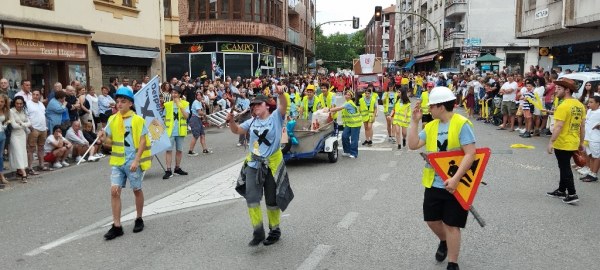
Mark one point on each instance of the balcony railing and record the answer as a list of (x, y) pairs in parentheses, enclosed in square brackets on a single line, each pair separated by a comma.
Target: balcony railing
[(456, 7), (294, 37), (450, 34), (43, 4), (452, 2)]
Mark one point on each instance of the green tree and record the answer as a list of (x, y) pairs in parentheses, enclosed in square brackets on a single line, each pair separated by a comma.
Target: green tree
[(338, 50)]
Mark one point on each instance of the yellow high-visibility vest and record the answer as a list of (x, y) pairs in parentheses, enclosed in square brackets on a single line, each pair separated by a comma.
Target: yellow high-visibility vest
[(351, 119), (315, 106), (117, 156), (365, 112), (326, 103), (431, 142), (424, 101), (182, 121), (402, 114)]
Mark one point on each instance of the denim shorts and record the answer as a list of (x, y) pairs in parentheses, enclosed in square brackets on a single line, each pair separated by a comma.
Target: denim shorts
[(121, 174), (177, 141)]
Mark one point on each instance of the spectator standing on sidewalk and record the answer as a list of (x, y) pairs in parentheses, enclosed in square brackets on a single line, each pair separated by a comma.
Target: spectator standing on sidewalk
[(25, 90), (592, 137), (72, 106), (55, 110), (242, 105), (196, 125), (567, 137), (4, 122), (36, 112), (176, 113), (509, 107), (129, 159), (92, 100), (17, 148)]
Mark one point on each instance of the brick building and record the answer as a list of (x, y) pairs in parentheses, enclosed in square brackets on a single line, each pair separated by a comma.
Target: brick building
[(243, 37), (380, 37)]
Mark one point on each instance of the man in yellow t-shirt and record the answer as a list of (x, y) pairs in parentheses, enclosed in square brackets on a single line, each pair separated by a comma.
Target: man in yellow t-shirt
[(419, 83), (567, 137)]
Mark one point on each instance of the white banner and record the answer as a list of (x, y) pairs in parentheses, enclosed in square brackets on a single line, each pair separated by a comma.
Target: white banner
[(367, 61), (147, 105)]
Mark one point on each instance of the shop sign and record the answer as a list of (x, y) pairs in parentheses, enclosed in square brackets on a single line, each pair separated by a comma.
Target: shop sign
[(17, 48), (237, 47), (540, 14), (193, 48)]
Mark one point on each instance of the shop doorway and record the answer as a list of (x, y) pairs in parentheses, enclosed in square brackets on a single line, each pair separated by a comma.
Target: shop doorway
[(515, 62), (39, 76), (238, 65)]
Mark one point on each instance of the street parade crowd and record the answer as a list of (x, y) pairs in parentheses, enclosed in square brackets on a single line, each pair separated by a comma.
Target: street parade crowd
[(75, 124)]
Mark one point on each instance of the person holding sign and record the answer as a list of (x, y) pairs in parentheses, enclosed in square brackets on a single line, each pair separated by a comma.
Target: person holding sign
[(130, 157), (448, 131)]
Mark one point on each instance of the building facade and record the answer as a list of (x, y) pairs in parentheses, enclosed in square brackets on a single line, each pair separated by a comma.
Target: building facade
[(100, 39), (466, 29), (243, 37), (567, 31), (380, 38)]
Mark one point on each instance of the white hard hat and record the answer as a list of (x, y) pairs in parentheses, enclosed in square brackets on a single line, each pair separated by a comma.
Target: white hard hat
[(440, 94)]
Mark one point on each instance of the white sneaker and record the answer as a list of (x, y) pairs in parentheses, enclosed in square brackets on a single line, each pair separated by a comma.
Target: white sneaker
[(345, 155), (100, 155), (351, 156), (77, 159), (239, 144), (57, 165), (92, 158), (65, 164), (584, 171)]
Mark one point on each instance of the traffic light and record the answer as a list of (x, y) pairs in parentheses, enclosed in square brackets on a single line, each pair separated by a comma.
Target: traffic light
[(355, 23), (377, 13)]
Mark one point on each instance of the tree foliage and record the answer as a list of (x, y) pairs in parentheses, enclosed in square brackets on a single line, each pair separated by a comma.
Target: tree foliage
[(338, 50)]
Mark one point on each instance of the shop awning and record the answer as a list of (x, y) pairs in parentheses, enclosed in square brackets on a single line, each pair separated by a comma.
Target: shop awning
[(426, 58), (410, 64), (127, 51)]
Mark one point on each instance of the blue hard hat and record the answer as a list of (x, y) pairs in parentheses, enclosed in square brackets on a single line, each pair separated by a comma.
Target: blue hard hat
[(125, 92)]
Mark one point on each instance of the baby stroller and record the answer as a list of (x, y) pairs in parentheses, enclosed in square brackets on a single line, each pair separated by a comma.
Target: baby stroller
[(495, 116)]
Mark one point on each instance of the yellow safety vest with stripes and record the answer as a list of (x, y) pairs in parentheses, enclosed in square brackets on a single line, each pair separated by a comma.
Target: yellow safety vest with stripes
[(424, 101), (289, 102), (326, 103), (117, 156), (315, 106), (351, 119), (182, 121), (402, 114), (431, 142), (365, 112)]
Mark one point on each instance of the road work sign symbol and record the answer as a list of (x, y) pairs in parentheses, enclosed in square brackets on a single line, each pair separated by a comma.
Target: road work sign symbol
[(446, 165)]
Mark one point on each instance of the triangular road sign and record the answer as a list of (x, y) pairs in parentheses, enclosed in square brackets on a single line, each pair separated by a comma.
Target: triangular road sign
[(446, 164)]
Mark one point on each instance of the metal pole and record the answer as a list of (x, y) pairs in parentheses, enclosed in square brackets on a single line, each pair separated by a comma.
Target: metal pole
[(437, 34)]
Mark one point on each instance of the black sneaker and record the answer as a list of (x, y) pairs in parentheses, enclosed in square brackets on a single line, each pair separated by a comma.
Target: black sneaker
[(365, 142), (370, 143), (404, 142), (588, 178), (452, 266), (571, 199), (258, 237), (180, 171), (557, 194), (442, 252), (139, 225), (274, 236), (399, 147), (526, 135), (114, 232), (168, 174), (192, 153)]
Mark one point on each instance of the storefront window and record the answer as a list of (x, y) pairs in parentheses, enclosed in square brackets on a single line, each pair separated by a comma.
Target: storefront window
[(14, 74), (238, 65), (200, 62), (77, 72)]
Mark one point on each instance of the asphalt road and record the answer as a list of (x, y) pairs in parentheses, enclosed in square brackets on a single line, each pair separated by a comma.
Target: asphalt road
[(354, 214)]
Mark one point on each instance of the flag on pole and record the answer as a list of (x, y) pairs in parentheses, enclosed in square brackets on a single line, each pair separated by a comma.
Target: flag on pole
[(147, 106)]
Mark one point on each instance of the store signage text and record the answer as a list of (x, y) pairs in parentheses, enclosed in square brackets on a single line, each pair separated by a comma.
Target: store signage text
[(42, 49), (541, 14), (237, 47)]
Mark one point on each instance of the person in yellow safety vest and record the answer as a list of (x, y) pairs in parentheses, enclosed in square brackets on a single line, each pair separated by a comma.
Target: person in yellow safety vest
[(424, 101), (401, 115), (176, 113), (352, 123), (310, 103), (368, 111), (129, 159), (448, 131), (264, 171), (389, 99), (327, 99), (287, 97)]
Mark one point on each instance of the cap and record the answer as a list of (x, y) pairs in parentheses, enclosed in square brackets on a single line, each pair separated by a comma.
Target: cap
[(125, 92), (259, 99), (440, 95)]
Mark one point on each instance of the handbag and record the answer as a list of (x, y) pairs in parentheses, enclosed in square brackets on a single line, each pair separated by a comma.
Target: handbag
[(580, 158)]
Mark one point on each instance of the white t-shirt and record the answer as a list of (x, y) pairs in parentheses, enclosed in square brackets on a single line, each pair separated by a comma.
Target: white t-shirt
[(522, 93), (49, 145), (512, 96), (36, 112), (93, 100), (592, 119)]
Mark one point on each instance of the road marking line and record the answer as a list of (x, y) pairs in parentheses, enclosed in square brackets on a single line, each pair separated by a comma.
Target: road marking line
[(380, 149), (97, 226), (384, 177), (392, 163), (348, 220), (315, 257), (369, 195)]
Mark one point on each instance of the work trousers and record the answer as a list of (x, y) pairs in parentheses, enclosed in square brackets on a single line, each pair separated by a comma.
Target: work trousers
[(566, 174)]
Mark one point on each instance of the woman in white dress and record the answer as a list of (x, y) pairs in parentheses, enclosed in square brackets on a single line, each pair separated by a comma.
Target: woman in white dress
[(18, 138)]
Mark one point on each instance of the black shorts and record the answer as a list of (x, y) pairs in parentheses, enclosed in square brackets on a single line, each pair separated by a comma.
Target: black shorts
[(439, 204), (426, 118)]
